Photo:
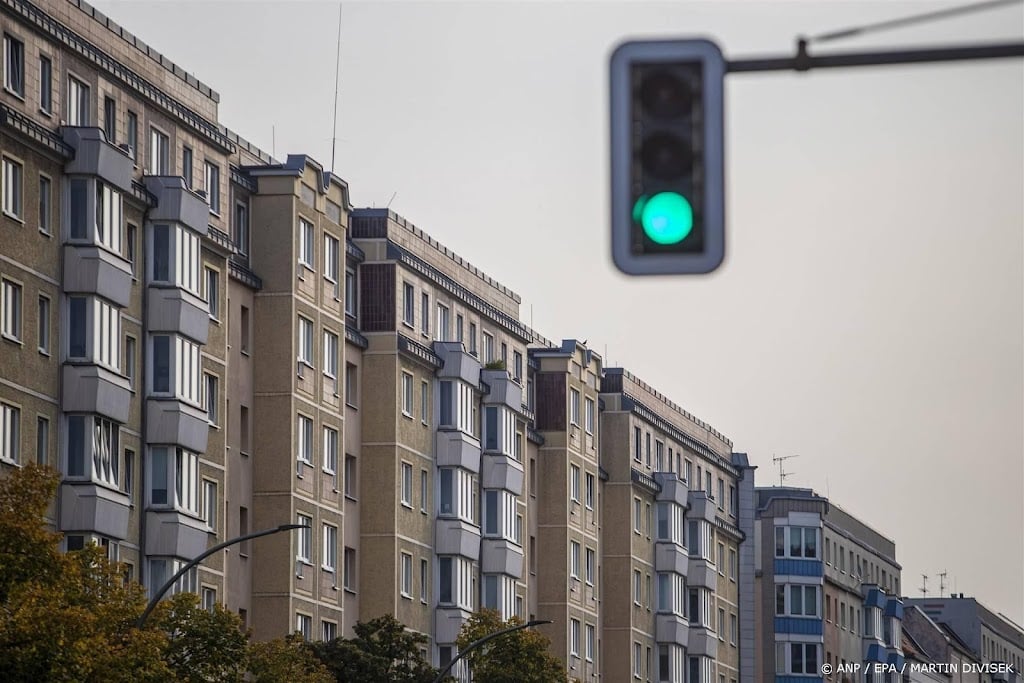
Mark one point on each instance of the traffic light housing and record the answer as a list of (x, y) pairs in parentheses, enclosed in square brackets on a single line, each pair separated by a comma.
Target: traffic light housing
[(667, 157)]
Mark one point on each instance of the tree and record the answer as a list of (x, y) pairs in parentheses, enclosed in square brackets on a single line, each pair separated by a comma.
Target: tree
[(382, 650), (203, 645), (286, 659), (518, 657)]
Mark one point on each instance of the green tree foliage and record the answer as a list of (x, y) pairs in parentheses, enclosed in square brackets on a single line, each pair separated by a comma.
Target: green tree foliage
[(288, 659), (382, 650), (203, 645), (518, 657)]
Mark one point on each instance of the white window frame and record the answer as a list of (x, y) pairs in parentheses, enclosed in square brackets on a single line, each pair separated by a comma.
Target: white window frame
[(588, 415), (14, 66), (305, 343), (209, 493), (12, 301), (211, 396), (304, 440), (407, 394), (183, 260), (574, 483), (351, 294), (330, 456), (102, 330), (331, 355), (211, 182), (184, 369), (406, 484), (329, 561), (10, 433), (159, 152), (588, 490), (78, 103), (405, 586), (45, 204), (304, 539), (211, 285), (408, 304), (180, 474), (307, 250), (13, 188)]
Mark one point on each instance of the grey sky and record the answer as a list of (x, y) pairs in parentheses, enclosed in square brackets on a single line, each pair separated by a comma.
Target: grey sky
[(870, 314)]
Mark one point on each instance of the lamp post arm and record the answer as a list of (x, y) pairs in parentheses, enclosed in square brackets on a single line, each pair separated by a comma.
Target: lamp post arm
[(490, 636), (220, 546)]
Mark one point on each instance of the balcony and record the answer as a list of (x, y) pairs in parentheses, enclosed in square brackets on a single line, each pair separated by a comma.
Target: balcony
[(170, 533), (457, 364), (673, 489), (457, 449), (90, 269), (702, 574), (175, 310), (95, 389), (798, 567), (457, 537), (501, 556), (448, 621), (170, 421), (669, 557), (503, 389), (702, 506), (96, 157), (176, 203), (86, 506), (702, 642), (803, 626), (671, 628), (502, 472)]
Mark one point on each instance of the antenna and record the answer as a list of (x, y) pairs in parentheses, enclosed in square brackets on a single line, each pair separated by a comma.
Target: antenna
[(782, 472), (924, 586), (393, 194), (273, 140), (337, 78), (942, 584)]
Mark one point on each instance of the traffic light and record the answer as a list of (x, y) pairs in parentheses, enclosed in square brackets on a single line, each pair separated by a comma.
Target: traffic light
[(667, 201)]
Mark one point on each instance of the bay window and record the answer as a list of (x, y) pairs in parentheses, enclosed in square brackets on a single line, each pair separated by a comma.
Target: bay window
[(175, 368), (795, 600), (456, 582), (93, 449), (500, 514), (458, 494), (798, 542), (163, 568), (109, 217), (176, 257), (672, 593), (499, 430), (174, 479)]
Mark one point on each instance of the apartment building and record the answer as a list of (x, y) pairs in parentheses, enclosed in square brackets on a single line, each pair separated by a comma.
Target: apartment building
[(676, 563), (937, 650), (208, 342), (994, 641), (827, 591)]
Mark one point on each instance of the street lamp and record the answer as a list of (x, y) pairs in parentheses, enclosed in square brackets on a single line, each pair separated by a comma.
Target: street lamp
[(477, 643), (220, 546)]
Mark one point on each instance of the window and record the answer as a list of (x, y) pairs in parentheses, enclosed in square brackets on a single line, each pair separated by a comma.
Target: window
[(574, 483), (588, 491), (589, 652), (588, 416), (472, 339), (109, 217), (330, 547), (159, 159), (330, 459), (305, 438), (406, 585), (128, 485), (574, 406), (647, 449), (732, 564), (14, 65), (636, 515), (408, 304), (331, 250), (407, 394), (425, 313), (574, 637), (801, 542), (331, 354), (350, 476), (186, 165), (306, 341), (304, 625), (178, 467), (590, 562), (176, 368), (406, 484), (304, 539), (45, 84), (12, 171), (688, 472), (797, 600), (210, 399), (721, 494), (721, 559), (796, 658), (11, 310), (307, 257), (351, 296), (488, 347), (10, 433), (424, 581), (110, 119), (637, 587), (210, 503), (43, 440), (243, 329), (638, 661), (423, 491), (213, 292), (45, 204), (328, 631), (659, 457), (77, 106), (424, 402), (213, 187), (637, 444), (349, 570), (351, 385), (133, 135), (574, 559), (43, 325), (241, 227), (129, 360)]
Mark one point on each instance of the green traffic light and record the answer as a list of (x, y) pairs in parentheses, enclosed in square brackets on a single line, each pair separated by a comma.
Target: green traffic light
[(667, 217)]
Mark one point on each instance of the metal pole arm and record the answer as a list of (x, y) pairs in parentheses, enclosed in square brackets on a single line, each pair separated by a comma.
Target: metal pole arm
[(220, 546), (802, 61), (490, 636)]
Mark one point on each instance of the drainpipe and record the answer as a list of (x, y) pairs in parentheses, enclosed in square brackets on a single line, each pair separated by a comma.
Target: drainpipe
[(140, 258)]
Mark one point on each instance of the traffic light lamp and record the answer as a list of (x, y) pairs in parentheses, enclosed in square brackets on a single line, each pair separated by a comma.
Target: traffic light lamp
[(667, 201)]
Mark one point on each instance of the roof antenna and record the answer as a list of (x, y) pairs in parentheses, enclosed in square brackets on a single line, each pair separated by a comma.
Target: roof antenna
[(337, 78), (783, 474), (391, 200), (273, 140)]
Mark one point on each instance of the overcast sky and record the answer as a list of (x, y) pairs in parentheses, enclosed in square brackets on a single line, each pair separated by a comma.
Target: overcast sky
[(870, 314)]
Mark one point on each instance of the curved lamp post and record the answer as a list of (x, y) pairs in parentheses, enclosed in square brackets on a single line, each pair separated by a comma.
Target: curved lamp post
[(477, 643), (220, 546)]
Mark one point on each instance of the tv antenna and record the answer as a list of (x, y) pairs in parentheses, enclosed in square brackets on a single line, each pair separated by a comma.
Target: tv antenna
[(942, 584), (780, 461), (924, 586)]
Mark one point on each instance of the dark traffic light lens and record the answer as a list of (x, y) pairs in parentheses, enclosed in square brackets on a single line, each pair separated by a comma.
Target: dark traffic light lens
[(665, 156), (664, 96)]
